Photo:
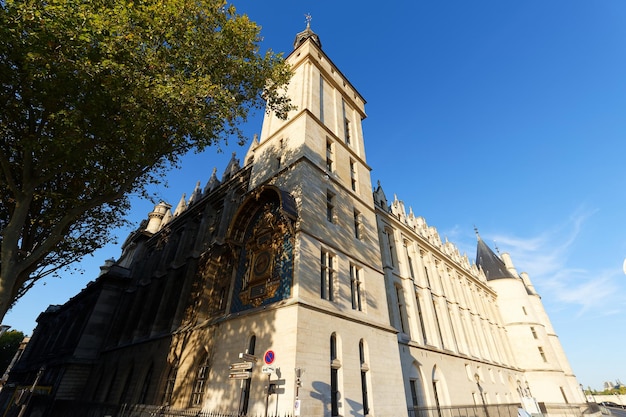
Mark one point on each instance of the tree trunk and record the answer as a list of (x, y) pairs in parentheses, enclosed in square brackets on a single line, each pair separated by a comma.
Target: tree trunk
[(7, 283)]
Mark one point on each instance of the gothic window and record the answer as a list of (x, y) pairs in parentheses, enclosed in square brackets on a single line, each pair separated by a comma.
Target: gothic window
[(143, 394), (409, 260), (364, 385), (321, 99), (357, 224), (330, 156), (436, 312), (542, 354), (414, 390), (199, 384), (420, 315), (169, 385), (390, 244), (353, 175), (335, 365), (355, 287), (327, 262), (401, 309), (330, 206), (346, 122)]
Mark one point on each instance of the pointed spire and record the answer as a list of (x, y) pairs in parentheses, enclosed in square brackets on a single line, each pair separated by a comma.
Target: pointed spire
[(197, 193), (307, 34), (379, 196), (182, 205), (166, 219), (212, 183), (232, 167)]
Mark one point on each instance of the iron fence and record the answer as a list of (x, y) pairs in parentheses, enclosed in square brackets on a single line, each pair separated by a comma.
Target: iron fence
[(142, 410), (494, 410)]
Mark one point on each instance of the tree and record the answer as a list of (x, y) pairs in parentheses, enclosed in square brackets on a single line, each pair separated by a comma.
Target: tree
[(9, 343), (98, 99)]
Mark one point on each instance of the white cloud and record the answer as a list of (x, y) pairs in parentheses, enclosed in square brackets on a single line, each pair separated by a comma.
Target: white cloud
[(546, 257)]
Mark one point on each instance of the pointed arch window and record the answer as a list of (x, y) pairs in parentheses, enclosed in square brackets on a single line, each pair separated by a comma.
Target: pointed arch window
[(169, 384), (355, 287), (335, 365), (364, 384), (199, 384)]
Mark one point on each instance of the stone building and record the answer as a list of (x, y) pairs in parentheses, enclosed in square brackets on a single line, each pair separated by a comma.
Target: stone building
[(289, 272)]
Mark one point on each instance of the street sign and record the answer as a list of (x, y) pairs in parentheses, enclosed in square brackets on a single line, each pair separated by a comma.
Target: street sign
[(240, 366), (239, 375), (248, 357), (268, 369), (269, 357)]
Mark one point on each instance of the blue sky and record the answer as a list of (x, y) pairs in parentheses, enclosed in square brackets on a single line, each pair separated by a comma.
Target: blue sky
[(504, 115)]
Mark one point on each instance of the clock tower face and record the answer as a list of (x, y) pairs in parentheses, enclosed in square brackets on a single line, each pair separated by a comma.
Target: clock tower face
[(263, 252), (261, 263)]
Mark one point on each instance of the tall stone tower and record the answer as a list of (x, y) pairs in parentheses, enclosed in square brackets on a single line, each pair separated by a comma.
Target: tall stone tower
[(537, 348), (332, 322)]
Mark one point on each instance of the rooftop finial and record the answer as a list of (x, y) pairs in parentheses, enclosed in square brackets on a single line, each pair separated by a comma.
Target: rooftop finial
[(307, 34), (476, 231)]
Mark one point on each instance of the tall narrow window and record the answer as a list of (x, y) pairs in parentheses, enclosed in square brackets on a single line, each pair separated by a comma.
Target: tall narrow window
[(364, 369), (409, 259), (390, 244), (400, 304), (143, 394), (334, 377), (435, 310), (346, 123), (413, 384), (355, 287), (169, 385), (245, 388), (534, 332), (353, 175), (279, 157), (564, 396), (330, 207), (321, 98), (420, 316), (357, 224), (199, 384), (542, 354), (327, 262), (330, 157)]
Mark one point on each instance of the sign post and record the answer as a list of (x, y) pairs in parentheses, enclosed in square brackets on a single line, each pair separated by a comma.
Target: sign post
[(268, 369)]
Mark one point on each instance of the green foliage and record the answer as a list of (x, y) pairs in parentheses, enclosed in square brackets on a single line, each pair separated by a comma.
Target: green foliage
[(99, 97), (9, 343)]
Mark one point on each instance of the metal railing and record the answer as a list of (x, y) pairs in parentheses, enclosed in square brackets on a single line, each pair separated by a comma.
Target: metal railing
[(494, 410)]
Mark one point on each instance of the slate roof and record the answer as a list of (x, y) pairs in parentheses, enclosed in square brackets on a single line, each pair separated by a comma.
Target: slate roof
[(490, 263)]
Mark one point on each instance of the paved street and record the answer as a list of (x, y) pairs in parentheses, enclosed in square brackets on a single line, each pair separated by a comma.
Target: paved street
[(617, 412)]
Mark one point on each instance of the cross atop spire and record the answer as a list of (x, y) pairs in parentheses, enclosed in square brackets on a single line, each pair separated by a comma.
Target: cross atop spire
[(307, 34)]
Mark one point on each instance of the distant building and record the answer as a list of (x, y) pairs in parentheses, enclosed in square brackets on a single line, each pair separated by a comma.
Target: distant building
[(351, 305)]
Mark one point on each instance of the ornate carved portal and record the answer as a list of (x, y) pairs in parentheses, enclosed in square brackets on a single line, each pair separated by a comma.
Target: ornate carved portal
[(265, 254), (264, 266)]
